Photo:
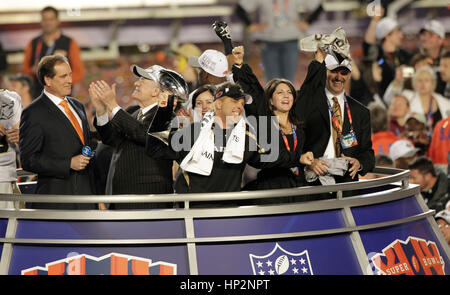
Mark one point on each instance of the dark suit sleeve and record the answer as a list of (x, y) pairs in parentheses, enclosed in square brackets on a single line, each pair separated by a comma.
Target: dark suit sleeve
[(131, 128), (245, 77), (109, 135), (123, 127), (31, 143), (308, 93)]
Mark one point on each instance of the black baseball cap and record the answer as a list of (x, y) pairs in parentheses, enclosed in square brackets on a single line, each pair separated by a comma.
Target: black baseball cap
[(232, 90)]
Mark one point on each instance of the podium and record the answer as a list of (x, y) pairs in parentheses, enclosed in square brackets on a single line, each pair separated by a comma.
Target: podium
[(385, 228)]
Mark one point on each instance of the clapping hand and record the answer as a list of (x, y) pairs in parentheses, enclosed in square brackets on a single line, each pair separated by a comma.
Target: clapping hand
[(104, 93)]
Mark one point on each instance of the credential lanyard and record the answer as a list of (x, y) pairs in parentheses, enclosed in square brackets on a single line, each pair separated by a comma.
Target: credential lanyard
[(334, 119), (286, 143)]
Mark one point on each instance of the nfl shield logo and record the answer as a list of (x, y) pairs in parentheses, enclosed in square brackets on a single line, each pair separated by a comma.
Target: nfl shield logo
[(281, 262)]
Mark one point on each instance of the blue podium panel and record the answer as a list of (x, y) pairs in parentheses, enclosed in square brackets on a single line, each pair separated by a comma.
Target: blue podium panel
[(3, 226), (41, 229), (386, 211), (312, 255), (92, 260), (410, 248), (288, 223)]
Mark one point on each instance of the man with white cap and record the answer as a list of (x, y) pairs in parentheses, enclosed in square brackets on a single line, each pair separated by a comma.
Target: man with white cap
[(382, 41), (132, 171), (403, 152), (336, 125), (213, 153), (213, 67), (443, 220)]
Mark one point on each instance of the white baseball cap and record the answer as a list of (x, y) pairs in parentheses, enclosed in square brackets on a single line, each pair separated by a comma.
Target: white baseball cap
[(402, 148), (211, 61), (332, 63), (444, 214), (385, 26), (151, 73), (435, 27)]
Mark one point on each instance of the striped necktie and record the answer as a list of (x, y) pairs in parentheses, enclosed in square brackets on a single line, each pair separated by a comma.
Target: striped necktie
[(73, 119), (338, 115), (140, 115)]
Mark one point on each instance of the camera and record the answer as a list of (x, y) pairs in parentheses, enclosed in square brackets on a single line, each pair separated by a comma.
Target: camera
[(408, 72)]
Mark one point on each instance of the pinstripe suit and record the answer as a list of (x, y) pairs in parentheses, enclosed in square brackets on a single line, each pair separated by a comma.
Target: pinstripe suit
[(135, 172)]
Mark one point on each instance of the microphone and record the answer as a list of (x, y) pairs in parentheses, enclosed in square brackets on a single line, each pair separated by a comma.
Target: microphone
[(87, 151)]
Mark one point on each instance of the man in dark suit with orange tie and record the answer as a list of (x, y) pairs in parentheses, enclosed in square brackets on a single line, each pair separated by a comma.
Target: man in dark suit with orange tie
[(53, 132)]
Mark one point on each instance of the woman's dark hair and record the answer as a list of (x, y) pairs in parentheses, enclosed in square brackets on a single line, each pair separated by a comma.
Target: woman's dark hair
[(200, 90), (269, 90), (46, 66)]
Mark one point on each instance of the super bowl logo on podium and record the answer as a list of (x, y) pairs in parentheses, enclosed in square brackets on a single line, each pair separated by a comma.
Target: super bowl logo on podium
[(110, 264), (281, 262), (414, 256)]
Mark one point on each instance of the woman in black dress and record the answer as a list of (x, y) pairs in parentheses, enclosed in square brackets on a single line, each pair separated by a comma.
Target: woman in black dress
[(274, 101)]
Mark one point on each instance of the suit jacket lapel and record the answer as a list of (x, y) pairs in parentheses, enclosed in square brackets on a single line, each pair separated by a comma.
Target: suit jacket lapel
[(324, 111), (56, 113), (346, 125)]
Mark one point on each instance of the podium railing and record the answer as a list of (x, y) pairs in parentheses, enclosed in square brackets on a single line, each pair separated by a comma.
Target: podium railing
[(211, 239)]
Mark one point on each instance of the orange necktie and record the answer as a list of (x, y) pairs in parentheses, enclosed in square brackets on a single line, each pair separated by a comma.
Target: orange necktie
[(73, 119)]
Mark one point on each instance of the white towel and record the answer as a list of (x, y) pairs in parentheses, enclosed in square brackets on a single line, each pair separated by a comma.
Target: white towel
[(200, 159), (234, 150)]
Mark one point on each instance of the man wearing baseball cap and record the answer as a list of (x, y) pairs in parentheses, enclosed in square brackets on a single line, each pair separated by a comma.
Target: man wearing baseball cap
[(212, 65), (214, 152), (336, 125), (131, 170), (382, 41), (432, 38), (403, 152)]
